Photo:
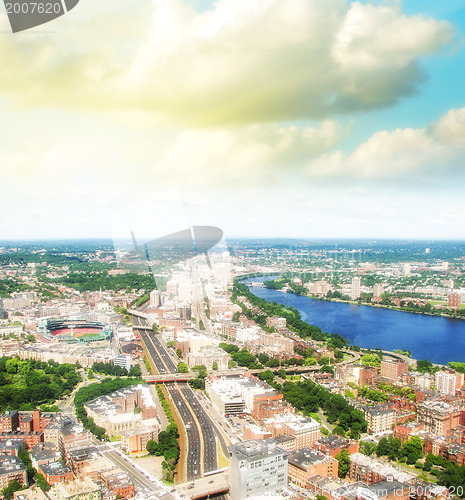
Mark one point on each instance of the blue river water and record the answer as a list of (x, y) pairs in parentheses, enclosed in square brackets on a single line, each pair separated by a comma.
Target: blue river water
[(427, 337)]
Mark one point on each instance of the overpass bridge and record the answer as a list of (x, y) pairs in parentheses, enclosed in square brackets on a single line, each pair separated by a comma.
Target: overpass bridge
[(211, 485), (137, 313), (170, 377), (146, 328)]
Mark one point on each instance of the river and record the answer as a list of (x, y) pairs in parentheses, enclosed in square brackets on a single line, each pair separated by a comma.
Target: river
[(427, 337)]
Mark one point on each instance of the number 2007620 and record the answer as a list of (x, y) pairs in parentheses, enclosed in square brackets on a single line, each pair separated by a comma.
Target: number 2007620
[(33, 8)]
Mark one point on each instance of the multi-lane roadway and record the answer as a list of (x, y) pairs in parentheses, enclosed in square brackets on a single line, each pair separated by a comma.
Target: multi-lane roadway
[(202, 446)]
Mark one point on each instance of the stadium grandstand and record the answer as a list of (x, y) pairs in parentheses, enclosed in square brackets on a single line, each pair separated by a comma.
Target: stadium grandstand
[(74, 330)]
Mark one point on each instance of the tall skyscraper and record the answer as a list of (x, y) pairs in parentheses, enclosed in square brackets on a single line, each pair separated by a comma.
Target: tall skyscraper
[(355, 288), (446, 383), (155, 298), (406, 269), (3, 313), (256, 468), (454, 300), (378, 290)]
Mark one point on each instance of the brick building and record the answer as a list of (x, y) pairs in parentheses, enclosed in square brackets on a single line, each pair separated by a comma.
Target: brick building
[(439, 416), (305, 463), (56, 472), (332, 445), (10, 421), (393, 369), (136, 440), (12, 469)]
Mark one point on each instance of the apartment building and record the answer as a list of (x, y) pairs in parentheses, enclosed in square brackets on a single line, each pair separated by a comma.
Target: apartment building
[(306, 462), (80, 489), (380, 419), (393, 369), (12, 469), (439, 416)]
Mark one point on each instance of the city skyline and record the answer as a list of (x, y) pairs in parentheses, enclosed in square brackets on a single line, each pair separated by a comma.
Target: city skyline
[(296, 119)]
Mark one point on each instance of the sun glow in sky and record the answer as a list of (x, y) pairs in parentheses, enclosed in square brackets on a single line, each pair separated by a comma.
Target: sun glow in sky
[(293, 118)]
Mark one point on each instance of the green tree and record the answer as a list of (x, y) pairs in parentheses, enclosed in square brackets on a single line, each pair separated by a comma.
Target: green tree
[(215, 365), (135, 371), (424, 366), (155, 327), (339, 430), (370, 360), (12, 365), (382, 449), (310, 361), (267, 376), (182, 367), (179, 353), (339, 355), (367, 448), (152, 447), (343, 458), (455, 365), (197, 383), (412, 450), (394, 446), (42, 482), (11, 488), (263, 358)]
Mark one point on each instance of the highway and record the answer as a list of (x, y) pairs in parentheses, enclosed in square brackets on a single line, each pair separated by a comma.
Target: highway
[(193, 435), (209, 440), (199, 429)]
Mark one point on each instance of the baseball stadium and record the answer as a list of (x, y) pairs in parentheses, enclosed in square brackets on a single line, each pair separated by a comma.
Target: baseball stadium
[(74, 330)]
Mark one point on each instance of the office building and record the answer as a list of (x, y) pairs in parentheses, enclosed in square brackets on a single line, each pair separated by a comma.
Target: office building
[(256, 468), (123, 361)]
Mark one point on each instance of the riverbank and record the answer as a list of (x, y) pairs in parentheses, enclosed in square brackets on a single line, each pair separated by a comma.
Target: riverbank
[(380, 306), (438, 314), (426, 337)]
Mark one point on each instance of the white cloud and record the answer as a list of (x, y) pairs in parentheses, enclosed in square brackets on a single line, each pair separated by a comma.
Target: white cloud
[(241, 61), (450, 129), (429, 154), (262, 154)]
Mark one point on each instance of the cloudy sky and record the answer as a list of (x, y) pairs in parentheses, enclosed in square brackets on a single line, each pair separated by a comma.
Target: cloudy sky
[(294, 118)]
